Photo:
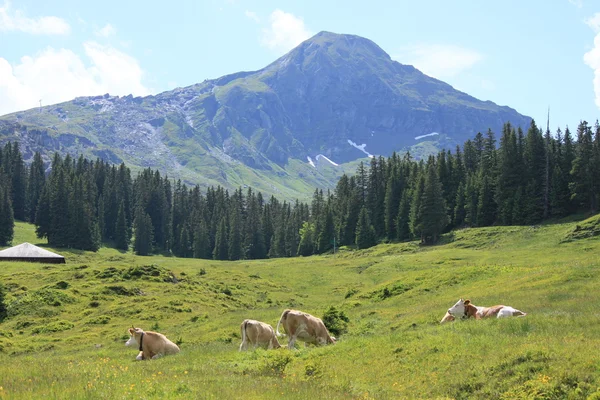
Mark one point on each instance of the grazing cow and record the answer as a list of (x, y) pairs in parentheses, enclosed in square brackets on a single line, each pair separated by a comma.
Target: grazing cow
[(304, 327), (259, 334), (151, 344), (466, 309)]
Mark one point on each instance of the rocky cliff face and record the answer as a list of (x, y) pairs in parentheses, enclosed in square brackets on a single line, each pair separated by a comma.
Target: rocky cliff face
[(337, 95)]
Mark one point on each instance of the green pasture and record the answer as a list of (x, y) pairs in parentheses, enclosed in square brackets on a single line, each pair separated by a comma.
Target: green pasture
[(67, 325)]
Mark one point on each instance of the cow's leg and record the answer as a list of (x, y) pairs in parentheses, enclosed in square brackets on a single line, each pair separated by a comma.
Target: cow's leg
[(244, 345), (154, 357), (292, 342), (140, 356)]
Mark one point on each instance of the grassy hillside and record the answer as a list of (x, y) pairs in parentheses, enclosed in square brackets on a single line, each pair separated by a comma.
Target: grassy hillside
[(67, 326)]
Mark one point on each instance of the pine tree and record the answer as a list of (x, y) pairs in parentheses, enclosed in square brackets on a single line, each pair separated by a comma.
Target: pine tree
[(351, 218), (393, 193), (326, 233), (142, 244), (220, 251), (42, 215), (59, 232), (459, 208), (535, 161), (486, 207), (184, 243), (434, 217), (471, 200), (582, 173), (7, 222), (235, 240), (306, 246), (83, 232), (403, 217), (416, 211), (36, 182), (121, 230), (277, 248), (201, 241), (508, 175), (18, 176), (365, 233)]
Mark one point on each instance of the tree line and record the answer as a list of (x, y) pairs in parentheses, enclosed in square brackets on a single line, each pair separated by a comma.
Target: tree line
[(524, 178)]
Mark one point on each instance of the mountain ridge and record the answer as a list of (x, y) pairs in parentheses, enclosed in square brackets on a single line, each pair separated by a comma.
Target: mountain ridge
[(336, 95)]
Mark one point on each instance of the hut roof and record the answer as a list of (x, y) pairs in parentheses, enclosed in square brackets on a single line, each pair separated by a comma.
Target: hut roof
[(30, 252)]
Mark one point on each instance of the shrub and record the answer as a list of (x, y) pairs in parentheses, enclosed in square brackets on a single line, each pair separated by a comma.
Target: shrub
[(61, 285), (99, 320), (274, 363), (336, 321), (33, 302), (57, 326)]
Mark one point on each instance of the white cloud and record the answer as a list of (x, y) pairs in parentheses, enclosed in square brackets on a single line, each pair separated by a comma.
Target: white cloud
[(592, 60), (577, 3), (57, 75), (439, 61), (17, 21), (253, 16), (594, 22), (106, 31), (285, 31)]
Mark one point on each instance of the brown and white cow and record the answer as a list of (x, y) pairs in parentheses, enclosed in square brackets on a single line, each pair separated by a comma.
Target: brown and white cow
[(464, 308), (151, 344), (304, 327), (258, 333)]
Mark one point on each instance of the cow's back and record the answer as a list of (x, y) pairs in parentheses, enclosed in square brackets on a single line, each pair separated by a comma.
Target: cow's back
[(160, 344)]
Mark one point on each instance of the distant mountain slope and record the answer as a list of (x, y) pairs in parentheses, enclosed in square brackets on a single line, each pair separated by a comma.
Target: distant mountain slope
[(338, 96)]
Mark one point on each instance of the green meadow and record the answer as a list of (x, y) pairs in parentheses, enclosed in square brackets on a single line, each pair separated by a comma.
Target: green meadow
[(67, 325)]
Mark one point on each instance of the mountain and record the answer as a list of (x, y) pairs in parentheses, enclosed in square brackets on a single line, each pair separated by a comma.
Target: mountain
[(334, 98)]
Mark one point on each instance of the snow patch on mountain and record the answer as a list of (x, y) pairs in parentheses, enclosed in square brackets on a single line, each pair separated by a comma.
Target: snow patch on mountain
[(326, 159), (429, 134), (310, 161), (361, 147)]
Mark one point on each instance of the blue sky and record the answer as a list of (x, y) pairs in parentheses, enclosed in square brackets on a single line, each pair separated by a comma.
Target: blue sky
[(529, 55)]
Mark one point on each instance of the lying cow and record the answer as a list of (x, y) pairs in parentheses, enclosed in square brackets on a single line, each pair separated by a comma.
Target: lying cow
[(465, 309), (258, 334), (151, 344), (304, 327)]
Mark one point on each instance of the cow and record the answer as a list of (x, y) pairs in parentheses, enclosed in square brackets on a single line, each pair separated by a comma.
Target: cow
[(465, 309), (258, 334), (304, 327), (152, 345)]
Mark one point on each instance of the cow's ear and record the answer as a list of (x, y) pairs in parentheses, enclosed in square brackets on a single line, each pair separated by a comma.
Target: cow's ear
[(130, 331), (467, 302)]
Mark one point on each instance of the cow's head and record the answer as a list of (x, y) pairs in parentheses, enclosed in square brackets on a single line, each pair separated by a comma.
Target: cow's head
[(458, 309), (447, 318), (135, 333)]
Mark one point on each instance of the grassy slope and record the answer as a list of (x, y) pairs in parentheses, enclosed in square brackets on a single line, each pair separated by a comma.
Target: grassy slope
[(394, 348)]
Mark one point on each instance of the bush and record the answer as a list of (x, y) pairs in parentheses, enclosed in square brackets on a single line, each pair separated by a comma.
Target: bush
[(336, 321), (33, 302), (99, 320), (57, 326)]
